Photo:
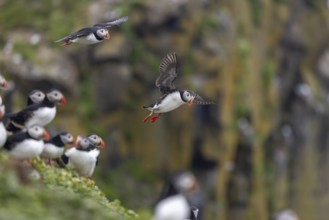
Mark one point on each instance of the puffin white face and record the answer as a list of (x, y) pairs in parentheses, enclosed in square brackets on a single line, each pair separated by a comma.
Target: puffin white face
[(67, 138), (83, 143), (96, 140), (188, 97), (38, 132), (56, 96), (103, 33), (185, 182), (37, 96)]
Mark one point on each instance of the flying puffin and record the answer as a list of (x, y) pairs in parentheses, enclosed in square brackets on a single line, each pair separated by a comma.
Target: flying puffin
[(26, 144), (173, 204), (172, 97), (36, 114), (84, 156), (92, 35), (3, 131), (36, 96), (54, 148)]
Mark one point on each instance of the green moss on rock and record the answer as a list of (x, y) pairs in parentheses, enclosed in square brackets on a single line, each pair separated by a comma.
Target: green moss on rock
[(57, 194)]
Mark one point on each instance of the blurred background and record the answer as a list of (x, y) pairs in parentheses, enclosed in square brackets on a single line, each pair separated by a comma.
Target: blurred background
[(262, 148)]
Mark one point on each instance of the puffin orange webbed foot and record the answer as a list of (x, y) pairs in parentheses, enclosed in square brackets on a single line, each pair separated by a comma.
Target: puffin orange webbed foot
[(155, 118)]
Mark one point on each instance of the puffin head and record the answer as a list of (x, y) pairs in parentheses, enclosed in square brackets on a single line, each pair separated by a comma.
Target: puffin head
[(36, 96), (38, 132), (66, 138), (103, 33), (188, 97), (96, 140), (56, 96)]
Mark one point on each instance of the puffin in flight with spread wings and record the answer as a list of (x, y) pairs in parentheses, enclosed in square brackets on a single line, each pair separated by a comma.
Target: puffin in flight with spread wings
[(172, 97), (92, 35)]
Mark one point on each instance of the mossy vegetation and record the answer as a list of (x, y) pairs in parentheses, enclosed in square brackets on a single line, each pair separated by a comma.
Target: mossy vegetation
[(52, 193)]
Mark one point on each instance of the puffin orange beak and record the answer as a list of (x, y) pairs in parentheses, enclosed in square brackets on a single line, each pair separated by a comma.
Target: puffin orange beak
[(102, 145), (190, 103), (46, 135), (76, 142), (107, 36), (63, 101)]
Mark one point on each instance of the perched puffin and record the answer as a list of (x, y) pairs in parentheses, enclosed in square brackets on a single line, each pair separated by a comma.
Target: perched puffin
[(173, 204), (172, 97), (36, 96), (27, 144), (84, 156), (3, 131), (92, 35), (54, 148), (36, 114), (3, 82)]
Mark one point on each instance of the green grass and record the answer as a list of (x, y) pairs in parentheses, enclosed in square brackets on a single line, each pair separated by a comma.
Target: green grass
[(57, 194)]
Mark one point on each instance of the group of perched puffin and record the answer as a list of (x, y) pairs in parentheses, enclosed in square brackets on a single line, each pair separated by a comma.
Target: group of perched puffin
[(30, 139), (24, 136)]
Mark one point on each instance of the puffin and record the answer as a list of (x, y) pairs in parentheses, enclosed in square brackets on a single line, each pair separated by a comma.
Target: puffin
[(92, 35), (36, 114), (54, 148), (173, 204), (172, 97), (3, 82), (84, 156), (36, 96), (3, 131), (285, 214), (26, 144)]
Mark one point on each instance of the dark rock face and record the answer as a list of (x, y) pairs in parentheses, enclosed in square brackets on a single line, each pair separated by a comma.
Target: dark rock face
[(110, 83)]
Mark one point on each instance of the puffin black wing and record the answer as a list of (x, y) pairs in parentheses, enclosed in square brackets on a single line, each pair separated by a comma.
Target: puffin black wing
[(13, 139), (80, 33), (200, 101), (112, 23), (168, 73), (22, 116)]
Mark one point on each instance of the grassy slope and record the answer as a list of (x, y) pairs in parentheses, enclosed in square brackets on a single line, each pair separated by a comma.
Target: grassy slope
[(61, 194)]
